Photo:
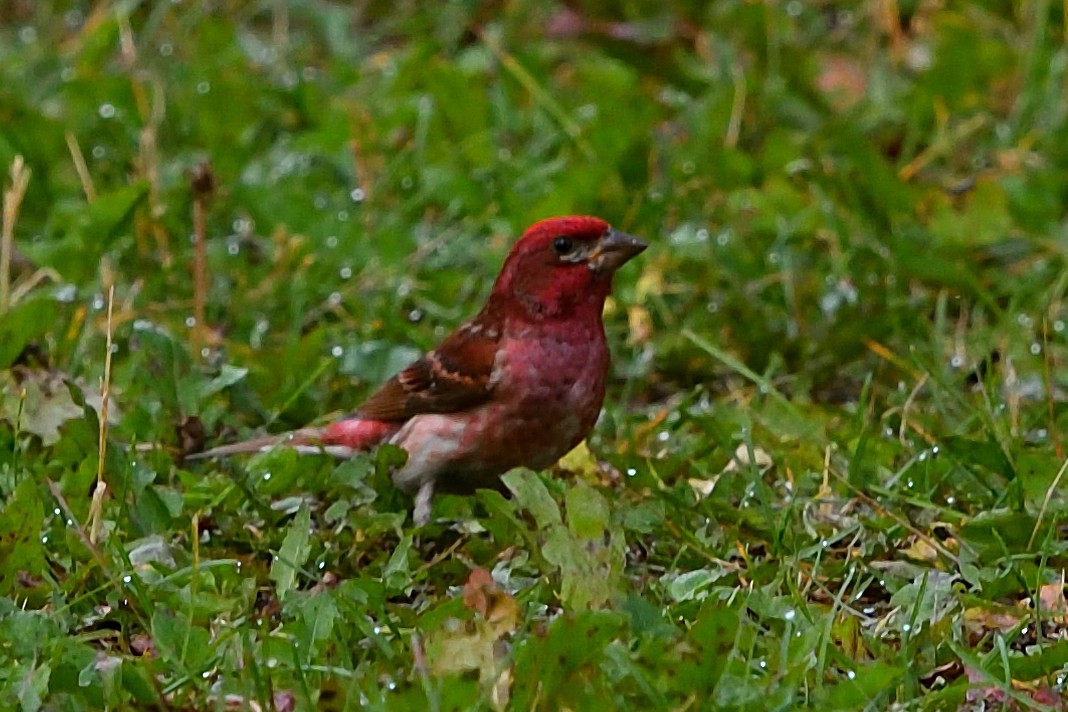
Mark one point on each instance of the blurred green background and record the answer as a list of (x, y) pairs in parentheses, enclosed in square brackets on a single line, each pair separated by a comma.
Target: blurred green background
[(830, 454)]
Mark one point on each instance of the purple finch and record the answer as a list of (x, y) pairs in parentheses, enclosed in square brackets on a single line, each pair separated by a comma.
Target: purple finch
[(519, 385)]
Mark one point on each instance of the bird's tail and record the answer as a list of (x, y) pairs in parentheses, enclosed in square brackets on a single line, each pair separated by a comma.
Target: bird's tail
[(343, 438)]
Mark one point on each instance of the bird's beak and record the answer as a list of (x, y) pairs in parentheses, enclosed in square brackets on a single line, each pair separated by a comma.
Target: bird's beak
[(612, 250)]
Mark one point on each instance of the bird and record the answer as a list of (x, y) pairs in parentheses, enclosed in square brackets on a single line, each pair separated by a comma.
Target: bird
[(519, 385)]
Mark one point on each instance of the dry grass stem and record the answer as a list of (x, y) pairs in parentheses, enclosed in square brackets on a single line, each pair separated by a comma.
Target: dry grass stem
[(80, 167), (20, 178), (96, 508)]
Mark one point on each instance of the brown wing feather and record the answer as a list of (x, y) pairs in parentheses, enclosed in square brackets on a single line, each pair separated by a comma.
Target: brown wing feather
[(453, 377)]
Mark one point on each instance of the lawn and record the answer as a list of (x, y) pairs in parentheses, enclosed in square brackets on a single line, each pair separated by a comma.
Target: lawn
[(829, 469)]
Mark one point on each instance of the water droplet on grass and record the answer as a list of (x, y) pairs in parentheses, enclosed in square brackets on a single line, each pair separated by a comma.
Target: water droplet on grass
[(919, 57), (587, 111)]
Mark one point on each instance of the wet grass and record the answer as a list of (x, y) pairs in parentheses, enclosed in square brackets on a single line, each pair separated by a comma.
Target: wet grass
[(829, 470)]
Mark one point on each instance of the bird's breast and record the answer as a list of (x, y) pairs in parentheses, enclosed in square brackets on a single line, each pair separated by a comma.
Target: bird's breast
[(547, 393), (561, 372)]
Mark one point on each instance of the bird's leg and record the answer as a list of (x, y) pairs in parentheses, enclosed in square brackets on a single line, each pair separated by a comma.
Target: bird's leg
[(423, 500)]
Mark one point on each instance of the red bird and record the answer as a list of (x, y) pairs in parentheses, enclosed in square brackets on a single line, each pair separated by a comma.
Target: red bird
[(519, 385)]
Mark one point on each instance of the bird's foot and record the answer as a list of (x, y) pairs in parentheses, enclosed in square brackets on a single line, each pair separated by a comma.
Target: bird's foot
[(423, 501)]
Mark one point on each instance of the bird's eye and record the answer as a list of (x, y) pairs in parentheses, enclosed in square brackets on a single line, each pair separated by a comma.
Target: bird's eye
[(562, 245)]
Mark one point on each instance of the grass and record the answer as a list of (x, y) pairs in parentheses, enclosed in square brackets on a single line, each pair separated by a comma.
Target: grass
[(829, 471)]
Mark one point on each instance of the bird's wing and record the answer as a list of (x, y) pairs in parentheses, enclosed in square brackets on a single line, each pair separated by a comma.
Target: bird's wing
[(455, 376)]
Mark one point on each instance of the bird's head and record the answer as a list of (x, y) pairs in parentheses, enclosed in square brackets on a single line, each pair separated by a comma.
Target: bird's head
[(563, 264)]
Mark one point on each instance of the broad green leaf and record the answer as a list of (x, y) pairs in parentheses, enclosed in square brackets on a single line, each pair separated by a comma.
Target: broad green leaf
[(530, 492), (183, 645), (714, 636), (587, 512), (396, 574), (864, 687), (21, 550), (228, 376), (293, 554), (24, 322), (560, 664)]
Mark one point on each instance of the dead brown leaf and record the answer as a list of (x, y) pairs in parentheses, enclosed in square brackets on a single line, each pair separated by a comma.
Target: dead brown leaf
[(478, 644)]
